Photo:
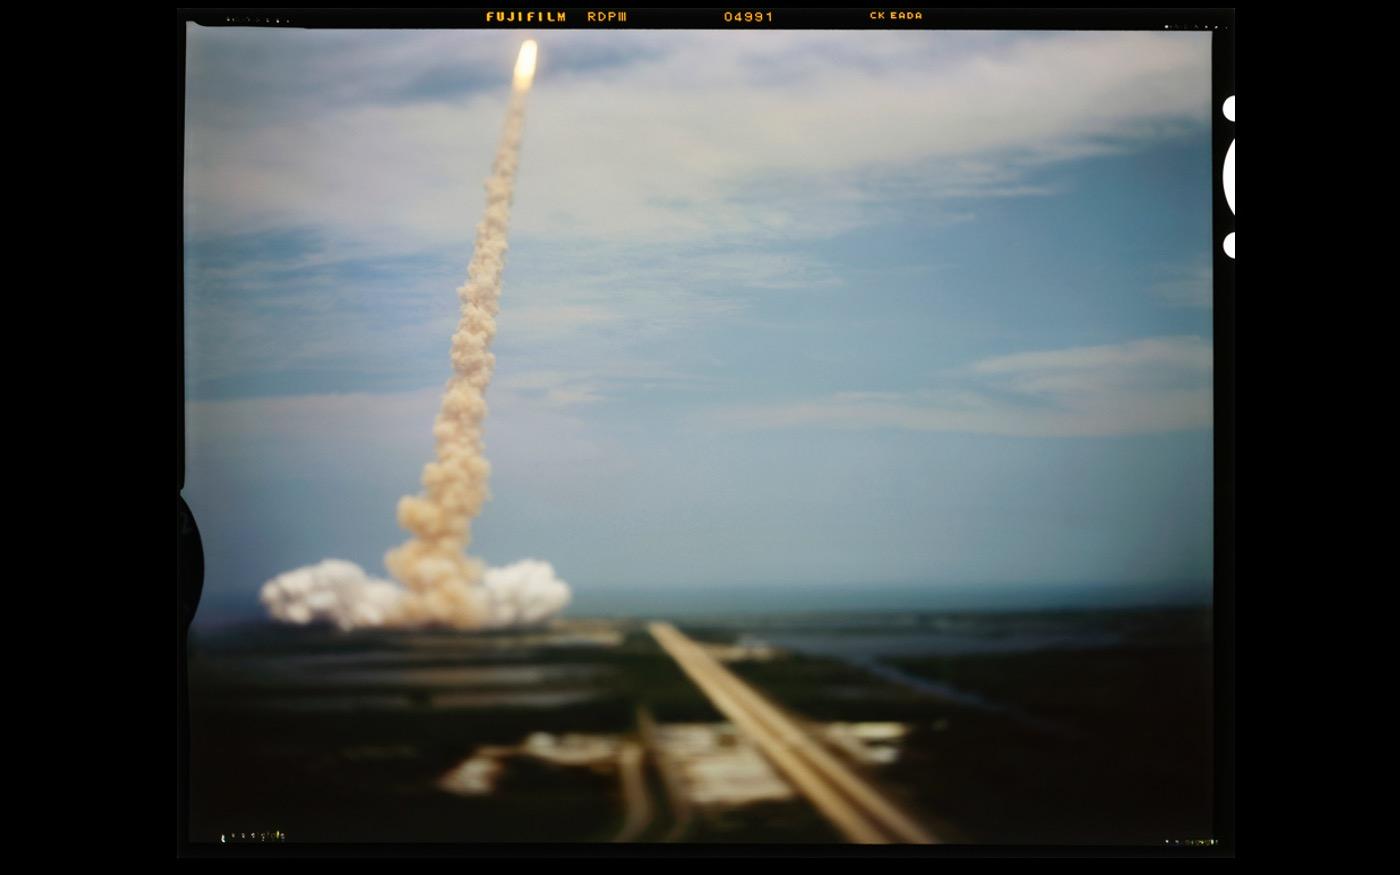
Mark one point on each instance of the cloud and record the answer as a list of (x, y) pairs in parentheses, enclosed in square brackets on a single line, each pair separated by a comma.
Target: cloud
[(533, 432), (556, 389), (669, 179), (1139, 387), (553, 388), (296, 312), (644, 290), (684, 136), (1191, 287), (1128, 363)]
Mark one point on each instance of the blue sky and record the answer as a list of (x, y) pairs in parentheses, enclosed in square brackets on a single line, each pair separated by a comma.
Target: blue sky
[(784, 309)]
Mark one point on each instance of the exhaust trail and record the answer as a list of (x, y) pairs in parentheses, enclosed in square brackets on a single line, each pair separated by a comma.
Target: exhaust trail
[(443, 582), (442, 585)]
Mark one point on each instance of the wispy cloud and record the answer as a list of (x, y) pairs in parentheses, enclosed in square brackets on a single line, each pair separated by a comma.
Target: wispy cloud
[(647, 290), (1143, 386), (590, 384), (533, 435), (666, 140), (1189, 287), (668, 179), (553, 388)]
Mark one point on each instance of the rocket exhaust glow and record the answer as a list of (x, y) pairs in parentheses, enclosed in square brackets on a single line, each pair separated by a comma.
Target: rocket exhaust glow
[(525, 65)]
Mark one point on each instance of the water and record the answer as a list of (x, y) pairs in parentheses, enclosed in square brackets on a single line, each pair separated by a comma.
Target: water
[(715, 600), (869, 641)]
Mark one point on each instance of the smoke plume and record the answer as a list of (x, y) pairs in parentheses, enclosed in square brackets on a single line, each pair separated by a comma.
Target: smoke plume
[(442, 585), (442, 581)]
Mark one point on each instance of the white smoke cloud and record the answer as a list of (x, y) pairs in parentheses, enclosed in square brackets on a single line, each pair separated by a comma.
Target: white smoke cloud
[(338, 592), (525, 593), (332, 591)]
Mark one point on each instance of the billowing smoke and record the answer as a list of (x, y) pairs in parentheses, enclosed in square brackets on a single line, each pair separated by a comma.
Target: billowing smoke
[(334, 591), (339, 592), (442, 584), (442, 581)]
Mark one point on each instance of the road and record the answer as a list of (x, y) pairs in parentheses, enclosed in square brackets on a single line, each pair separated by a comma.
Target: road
[(859, 811)]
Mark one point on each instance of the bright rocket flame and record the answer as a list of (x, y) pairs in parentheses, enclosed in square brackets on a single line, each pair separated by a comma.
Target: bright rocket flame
[(525, 64)]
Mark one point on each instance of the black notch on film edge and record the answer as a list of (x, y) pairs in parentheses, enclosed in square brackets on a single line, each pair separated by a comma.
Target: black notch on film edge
[(190, 565)]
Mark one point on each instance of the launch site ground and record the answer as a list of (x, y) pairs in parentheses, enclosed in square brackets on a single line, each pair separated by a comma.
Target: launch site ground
[(1052, 728)]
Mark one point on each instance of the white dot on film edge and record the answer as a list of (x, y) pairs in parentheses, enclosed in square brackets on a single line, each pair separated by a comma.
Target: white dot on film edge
[(1229, 107), (1227, 176), (1230, 244)]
